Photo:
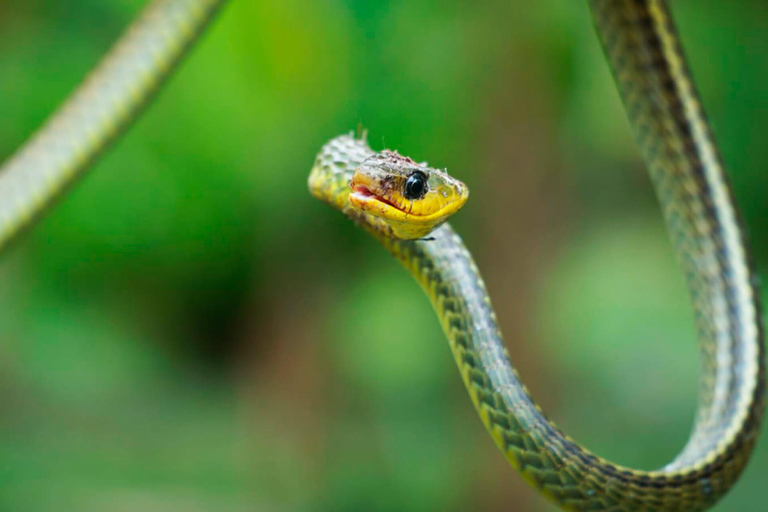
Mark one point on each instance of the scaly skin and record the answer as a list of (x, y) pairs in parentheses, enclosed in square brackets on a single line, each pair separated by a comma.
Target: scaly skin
[(642, 47), (99, 111)]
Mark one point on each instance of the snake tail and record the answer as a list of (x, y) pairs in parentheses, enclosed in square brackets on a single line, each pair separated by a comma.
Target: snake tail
[(643, 49), (99, 111)]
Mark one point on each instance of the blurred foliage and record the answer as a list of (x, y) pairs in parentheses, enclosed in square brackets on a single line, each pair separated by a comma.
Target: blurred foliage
[(189, 330)]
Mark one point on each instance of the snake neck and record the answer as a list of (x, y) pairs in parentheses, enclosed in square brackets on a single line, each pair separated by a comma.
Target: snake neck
[(329, 181)]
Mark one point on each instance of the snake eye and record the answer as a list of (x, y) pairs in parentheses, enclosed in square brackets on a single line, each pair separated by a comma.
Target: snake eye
[(415, 185)]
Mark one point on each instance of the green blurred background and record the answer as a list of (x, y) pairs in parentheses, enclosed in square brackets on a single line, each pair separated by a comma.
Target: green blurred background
[(190, 331)]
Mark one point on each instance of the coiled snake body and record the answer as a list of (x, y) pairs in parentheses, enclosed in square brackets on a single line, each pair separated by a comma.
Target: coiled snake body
[(642, 48)]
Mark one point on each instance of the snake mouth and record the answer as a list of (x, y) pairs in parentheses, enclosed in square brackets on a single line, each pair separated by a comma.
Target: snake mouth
[(370, 195), (364, 198)]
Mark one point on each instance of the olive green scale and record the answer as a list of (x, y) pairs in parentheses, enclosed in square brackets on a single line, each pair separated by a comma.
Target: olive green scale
[(99, 110), (642, 47)]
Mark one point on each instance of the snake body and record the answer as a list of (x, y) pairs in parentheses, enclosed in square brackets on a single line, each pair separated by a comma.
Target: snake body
[(641, 44), (642, 47), (101, 108)]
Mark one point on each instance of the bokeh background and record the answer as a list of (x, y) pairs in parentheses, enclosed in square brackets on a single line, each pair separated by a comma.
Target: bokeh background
[(190, 331)]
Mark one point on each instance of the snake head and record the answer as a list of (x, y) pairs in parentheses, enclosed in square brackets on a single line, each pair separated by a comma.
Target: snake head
[(410, 198)]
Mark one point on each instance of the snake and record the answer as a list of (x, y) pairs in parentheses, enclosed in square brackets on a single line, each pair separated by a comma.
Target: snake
[(405, 204)]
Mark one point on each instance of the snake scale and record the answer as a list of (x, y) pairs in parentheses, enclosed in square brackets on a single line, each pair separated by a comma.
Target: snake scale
[(644, 53), (101, 108)]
